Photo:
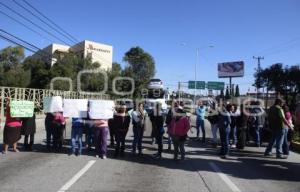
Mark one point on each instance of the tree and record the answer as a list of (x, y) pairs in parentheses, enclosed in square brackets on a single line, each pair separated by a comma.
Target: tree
[(227, 94), (141, 67), (40, 72), (11, 72), (237, 91)]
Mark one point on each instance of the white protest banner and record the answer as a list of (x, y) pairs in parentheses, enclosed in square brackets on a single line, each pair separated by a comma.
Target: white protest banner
[(21, 108), (75, 108), (53, 104), (101, 109)]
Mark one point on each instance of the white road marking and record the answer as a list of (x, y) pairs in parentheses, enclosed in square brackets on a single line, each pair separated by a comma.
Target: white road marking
[(230, 184), (76, 177)]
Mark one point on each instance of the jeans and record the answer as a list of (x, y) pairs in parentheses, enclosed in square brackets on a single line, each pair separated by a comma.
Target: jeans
[(76, 136), (178, 142), (278, 138), (233, 135), (200, 123), (285, 145), (138, 133), (224, 136), (120, 141), (101, 140), (89, 135), (257, 133), (214, 129)]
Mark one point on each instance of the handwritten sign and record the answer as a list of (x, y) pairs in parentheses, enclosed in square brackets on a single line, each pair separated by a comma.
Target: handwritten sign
[(101, 109), (75, 108), (21, 108), (53, 104)]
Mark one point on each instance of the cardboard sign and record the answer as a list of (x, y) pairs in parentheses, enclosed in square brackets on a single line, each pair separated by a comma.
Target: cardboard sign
[(101, 109), (21, 108), (75, 108), (53, 104)]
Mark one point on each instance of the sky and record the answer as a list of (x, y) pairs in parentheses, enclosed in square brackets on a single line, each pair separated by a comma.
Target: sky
[(172, 30)]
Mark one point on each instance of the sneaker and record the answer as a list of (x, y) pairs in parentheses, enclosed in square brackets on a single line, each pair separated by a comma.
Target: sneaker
[(281, 157), (104, 157), (268, 154), (97, 156), (224, 157), (233, 146), (4, 152)]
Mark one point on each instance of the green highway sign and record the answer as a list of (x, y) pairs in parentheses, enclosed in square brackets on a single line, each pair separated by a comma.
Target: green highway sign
[(199, 85), (213, 85)]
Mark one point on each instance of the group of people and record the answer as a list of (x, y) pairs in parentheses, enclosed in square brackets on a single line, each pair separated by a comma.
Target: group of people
[(238, 124), (232, 122)]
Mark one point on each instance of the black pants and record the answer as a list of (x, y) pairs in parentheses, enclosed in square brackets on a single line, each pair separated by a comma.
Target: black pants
[(120, 142), (31, 141), (58, 136), (112, 135), (178, 142), (241, 137), (159, 140)]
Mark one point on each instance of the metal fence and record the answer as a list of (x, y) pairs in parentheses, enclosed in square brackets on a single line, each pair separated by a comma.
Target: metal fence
[(37, 96)]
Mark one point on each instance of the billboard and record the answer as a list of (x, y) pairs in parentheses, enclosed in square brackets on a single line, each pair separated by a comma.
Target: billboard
[(231, 69)]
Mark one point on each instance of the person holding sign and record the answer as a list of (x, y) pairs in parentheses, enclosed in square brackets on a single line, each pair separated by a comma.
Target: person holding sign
[(12, 130), (120, 125), (138, 121), (58, 128)]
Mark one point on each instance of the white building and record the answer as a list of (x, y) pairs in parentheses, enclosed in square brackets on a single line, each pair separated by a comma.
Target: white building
[(98, 52)]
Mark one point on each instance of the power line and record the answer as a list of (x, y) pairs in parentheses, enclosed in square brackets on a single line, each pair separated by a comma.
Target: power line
[(28, 20), (43, 21), (52, 22), (24, 25)]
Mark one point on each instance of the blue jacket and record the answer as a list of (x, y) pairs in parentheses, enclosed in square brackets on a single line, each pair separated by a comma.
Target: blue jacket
[(200, 112)]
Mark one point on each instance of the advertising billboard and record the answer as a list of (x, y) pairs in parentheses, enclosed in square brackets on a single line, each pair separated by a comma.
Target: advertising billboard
[(231, 69)]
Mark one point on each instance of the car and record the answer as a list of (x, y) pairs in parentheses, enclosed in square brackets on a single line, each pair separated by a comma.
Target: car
[(128, 102), (155, 84), (150, 104)]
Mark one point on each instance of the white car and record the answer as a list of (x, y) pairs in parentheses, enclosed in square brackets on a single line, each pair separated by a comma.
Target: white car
[(155, 84)]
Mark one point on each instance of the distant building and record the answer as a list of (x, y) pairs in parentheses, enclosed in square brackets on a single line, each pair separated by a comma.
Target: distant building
[(98, 52)]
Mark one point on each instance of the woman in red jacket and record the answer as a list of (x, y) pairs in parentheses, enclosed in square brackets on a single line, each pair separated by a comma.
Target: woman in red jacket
[(178, 130), (12, 131)]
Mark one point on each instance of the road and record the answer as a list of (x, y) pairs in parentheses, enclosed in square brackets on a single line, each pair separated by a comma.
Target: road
[(203, 170)]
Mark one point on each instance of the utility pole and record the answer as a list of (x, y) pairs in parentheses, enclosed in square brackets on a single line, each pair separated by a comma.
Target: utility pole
[(258, 71)]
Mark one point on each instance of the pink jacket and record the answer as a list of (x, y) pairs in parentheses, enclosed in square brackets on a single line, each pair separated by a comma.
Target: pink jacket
[(180, 127)]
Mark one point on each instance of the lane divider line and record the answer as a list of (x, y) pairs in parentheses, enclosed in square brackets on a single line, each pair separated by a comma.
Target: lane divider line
[(77, 176), (230, 184)]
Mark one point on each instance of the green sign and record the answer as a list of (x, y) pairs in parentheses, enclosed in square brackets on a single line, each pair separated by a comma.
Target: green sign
[(213, 85), (199, 85), (21, 108)]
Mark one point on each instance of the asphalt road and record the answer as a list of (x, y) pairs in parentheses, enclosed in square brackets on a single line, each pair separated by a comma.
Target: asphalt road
[(203, 170)]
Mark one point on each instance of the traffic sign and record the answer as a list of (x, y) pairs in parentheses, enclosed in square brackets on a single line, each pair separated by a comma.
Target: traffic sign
[(214, 85), (199, 85)]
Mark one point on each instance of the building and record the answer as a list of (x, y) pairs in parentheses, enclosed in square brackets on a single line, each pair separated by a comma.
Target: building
[(98, 52)]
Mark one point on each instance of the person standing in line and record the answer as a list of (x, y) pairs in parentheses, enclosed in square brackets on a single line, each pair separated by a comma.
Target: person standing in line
[(224, 129), (178, 129), (169, 119), (276, 120), (120, 125), (233, 134), (12, 131), (241, 124), (76, 135), (100, 137), (213, 117), (28, 130), (49, 126), (286, 129), (200, 112), (158, 128), (138, 121), (257, 121), (58, 129)]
